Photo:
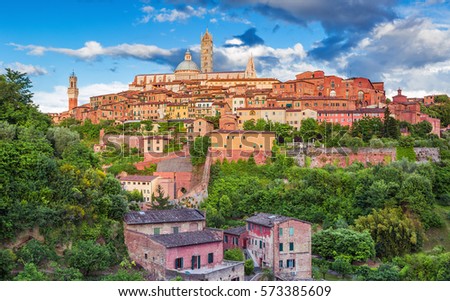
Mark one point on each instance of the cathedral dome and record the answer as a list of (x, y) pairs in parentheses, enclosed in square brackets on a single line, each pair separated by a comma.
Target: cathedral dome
[(188, 64)]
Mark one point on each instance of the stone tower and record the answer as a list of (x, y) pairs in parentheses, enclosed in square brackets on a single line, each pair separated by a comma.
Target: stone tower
[(250, 71), (72, 91), (206, 52)]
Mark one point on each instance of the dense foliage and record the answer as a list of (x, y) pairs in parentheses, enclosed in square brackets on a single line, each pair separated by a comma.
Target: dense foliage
[(332, 243), (401, 194), (52, 182), (199, 150)]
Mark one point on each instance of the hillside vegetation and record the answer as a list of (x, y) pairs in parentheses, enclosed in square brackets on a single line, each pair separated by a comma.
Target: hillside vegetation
[(51, 181)]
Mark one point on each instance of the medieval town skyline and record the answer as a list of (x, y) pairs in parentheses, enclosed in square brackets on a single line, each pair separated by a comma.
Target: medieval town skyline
[(107, 43)]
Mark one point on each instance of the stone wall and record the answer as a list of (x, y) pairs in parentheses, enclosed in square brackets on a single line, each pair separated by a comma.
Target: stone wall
[(146, 253), (344, 156), (427, 154), (231, 270)]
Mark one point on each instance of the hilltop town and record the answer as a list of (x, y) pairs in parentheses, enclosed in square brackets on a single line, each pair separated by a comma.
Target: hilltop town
[(225, 176), (192, 92)]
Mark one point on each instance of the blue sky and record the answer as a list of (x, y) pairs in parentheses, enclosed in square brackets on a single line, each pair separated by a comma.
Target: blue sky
[(106, 42)]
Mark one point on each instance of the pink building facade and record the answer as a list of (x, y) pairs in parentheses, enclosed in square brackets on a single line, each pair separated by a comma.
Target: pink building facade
[(281, 243), (171, 243)]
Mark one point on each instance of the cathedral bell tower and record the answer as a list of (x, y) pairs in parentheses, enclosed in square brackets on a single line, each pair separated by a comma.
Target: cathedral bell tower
[(250, 71), (72, 92), (206, 53)]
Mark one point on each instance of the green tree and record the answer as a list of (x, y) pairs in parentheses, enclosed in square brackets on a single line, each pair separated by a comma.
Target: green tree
[(199, 150), (80, 156), (16, 105), (249, 267), (309, 130), (89, 257), (35, 252), (31, 273), (322, 266), (385, 272), (125, 275), (394, 233), (367, 128), (249, 125), (61, 138), (424, 267), (422, 129), (355, 245), (7, 263), (342, 265), (65, 274), (416, 194), (159, 201), (391, 128), (234, 254)]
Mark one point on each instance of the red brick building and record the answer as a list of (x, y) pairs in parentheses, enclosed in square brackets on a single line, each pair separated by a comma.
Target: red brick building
[(176, 176), (281, 243), (170, 243), (235, 238), (360, 91), (408, 111), (346, 118)]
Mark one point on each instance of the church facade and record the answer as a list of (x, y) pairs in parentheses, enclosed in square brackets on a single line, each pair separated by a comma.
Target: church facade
[(188, 70)]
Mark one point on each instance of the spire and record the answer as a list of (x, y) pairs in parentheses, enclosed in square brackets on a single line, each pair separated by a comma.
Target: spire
[(250, 71)]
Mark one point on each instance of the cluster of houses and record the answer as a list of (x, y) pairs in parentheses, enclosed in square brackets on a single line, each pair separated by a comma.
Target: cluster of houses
[(176, 242), (191, 92)]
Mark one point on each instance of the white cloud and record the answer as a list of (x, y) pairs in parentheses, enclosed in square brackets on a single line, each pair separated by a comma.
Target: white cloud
[(93, 49), (171, 15), (234, 41), (56, 101), (213, 20), (234, 19), (409, 53), (31, 70)]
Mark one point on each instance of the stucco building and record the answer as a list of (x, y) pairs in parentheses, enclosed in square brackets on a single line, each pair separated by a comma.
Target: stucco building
[(170, 243), (281, 243), (144, 184)]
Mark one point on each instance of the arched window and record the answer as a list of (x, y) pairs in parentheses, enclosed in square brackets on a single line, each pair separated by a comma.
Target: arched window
[(333, 93), (360, 95)]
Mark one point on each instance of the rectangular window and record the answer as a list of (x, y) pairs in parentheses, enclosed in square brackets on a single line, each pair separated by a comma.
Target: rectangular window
[(210, 257), (156, 231), (291, 246), (260, 244), (179, 263), (225, 238), (249, 226), (280, 263), (290, 263), (195, 262), (280, 247), (175, 230), (291, 231)]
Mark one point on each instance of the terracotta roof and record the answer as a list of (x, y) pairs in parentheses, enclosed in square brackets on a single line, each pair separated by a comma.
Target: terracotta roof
[(236, 231), (242, 132), (163, 216), (137, 178), (188, 238), (268, 220)]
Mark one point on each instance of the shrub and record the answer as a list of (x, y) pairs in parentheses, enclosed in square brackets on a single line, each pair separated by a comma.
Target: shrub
[(249, 267)]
